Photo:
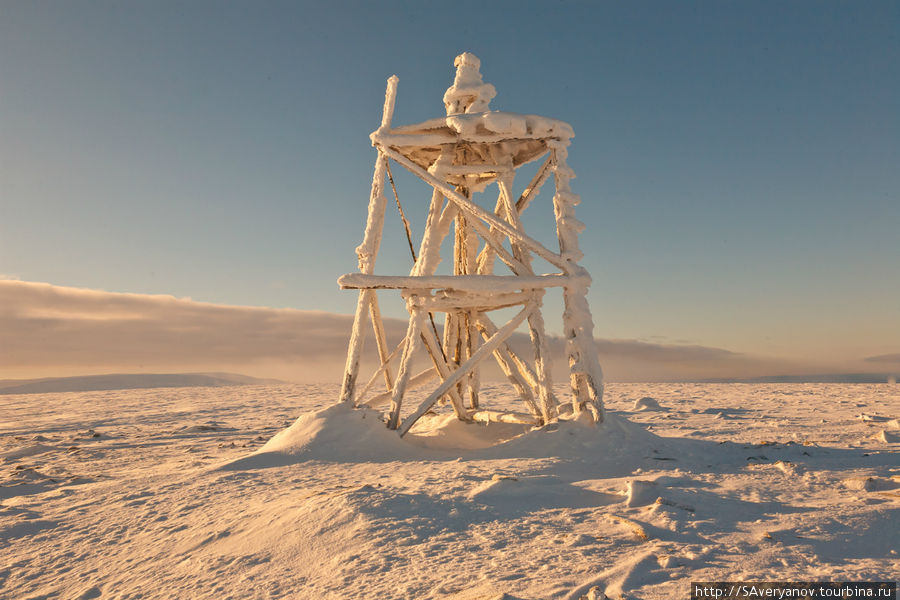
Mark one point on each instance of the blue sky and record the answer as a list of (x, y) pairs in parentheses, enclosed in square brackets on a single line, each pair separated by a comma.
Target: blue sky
[(737, 161)]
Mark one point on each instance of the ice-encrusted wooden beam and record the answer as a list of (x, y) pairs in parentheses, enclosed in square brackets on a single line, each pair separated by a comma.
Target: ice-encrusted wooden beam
[(481, 215), (462, 283), (367, 252)]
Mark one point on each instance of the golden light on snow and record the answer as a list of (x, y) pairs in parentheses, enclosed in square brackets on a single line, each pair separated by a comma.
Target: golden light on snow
[(273, 491)]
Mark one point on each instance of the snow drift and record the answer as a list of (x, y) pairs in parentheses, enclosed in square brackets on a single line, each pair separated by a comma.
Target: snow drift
[(340, 433)]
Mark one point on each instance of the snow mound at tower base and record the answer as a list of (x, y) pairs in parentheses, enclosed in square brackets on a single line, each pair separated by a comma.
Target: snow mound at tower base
[(343, 434), (338, 433)]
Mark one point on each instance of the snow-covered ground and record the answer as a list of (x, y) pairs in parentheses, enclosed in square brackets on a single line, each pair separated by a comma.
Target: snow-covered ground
[(183, 493)]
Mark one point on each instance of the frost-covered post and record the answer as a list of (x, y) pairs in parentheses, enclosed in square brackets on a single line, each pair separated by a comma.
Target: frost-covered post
[(586, 376), (459, 156), (367, 251)]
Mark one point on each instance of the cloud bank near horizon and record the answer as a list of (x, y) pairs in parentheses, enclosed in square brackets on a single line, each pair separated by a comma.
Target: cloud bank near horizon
[(49, 330), (891, 359)]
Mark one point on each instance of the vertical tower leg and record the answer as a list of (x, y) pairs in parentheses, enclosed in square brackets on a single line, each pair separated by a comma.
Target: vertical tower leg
[(459, 352), (465, 251), (469, 261), (417, 318), (451, 335), (367, 251), (586, 377), (436, 229), (475, 376), (546, 399), (380, 339)]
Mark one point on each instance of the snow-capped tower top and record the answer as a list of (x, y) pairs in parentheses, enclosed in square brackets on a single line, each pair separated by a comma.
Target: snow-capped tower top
[(485, 143), (469, 93)]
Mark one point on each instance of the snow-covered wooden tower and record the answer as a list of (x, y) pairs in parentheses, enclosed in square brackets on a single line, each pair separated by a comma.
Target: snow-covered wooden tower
[(459, 156)]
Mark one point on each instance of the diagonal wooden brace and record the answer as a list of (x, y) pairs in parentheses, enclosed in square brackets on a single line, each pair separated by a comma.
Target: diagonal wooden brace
[(485, 350)]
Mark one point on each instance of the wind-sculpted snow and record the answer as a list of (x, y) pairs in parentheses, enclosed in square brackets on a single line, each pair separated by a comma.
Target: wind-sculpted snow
[(335, 434), (275, 492), (340, 433)]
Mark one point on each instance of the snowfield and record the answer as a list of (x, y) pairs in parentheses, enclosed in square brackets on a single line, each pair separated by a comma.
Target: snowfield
[(274, 492)]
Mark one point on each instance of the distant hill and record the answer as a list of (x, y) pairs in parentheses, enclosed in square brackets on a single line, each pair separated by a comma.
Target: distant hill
[(820, 378), (127, 381)]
